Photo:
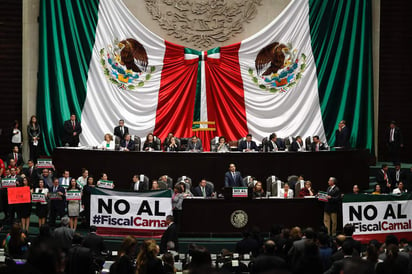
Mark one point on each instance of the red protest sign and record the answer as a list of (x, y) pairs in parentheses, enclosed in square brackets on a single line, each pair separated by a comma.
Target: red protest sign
[(19, 195)]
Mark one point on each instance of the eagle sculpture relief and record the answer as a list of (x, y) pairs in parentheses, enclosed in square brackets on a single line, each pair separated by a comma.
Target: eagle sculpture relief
[(133, 55), (271, 58)]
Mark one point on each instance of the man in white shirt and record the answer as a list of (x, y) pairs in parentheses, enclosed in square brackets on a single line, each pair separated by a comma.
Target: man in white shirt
[(64, 181), (140, 183)]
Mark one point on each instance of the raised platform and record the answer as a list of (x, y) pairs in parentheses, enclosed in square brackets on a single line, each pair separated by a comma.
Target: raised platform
[(349, 167)]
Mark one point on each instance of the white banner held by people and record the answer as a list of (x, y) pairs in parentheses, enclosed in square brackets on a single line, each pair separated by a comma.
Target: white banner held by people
[(375, 217), (105, 184), (130, 212), (38, 198), (73, 195), (8, 182)]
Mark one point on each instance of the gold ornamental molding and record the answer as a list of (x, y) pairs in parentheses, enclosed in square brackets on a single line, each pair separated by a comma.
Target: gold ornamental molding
[(202, 22)]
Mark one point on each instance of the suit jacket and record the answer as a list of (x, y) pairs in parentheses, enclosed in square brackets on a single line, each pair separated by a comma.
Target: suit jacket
[(119, 134), (95, 243), (380, 178), (61, 180), (143, 186), (243, 145), (19, 158), (68, 132), (230, 181), (397, 137), (64, 236), (295, 147), (194, 146), (169, 235), (280, 145), (321, 146), (402, 176), (130, 146), (198, 192), (342, 138), (59, 203), (332, 205), (31, 177)]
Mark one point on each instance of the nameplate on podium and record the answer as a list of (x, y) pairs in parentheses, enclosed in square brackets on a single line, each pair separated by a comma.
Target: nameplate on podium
[(239, 192)]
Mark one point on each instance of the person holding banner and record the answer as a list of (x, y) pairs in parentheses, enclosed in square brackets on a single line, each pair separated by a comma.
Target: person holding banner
[(24, 209), (57, 202), (41, 202), (332, 206), (73, 197), (86, 196)]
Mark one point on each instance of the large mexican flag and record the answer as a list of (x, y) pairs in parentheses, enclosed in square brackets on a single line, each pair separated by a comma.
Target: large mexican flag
[(301, 74)]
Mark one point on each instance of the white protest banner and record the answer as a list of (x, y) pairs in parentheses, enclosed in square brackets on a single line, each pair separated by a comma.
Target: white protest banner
[(38, 198), (44, 163), (376, 216), (105, 184), (8, 182), (73, 195), (125, 213), (54, 196)]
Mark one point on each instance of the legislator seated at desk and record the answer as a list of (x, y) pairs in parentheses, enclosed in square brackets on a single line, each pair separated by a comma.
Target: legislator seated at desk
[(317, 145), (194, 145), (152, 143), (127, 144), (274, 144), (297, 144), (108, 142), (203, 190), (233, 177), (171, 145), (248, 145)]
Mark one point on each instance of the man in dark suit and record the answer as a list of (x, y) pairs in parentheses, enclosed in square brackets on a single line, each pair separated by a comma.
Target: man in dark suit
[(332, 206), (247, 145), (194, 145), (384, 180), (268, 262), (233, 177), (127, 144), (121, 130), (202, 190), (274, 144), (16, 155), (31, 172), (397, 175), (72, 130), (57, 205), (65, 179), (170, 235), (394, 142), (94, 242), (342, 136), (297, 145), (139, 185), (317, 145)]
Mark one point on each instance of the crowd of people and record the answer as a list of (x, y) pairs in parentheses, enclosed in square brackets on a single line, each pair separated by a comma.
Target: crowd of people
[(283, 250)]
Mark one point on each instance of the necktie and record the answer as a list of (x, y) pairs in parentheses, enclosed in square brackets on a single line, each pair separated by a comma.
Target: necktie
[(392, 133), (15, 157), (121, 130), (55, 189), (248, 145), (397, 175), (126, 143), (73, 125), (203, 191), (31, 171)]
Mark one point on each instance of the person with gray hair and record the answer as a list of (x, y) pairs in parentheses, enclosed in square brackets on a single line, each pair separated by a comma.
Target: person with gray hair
[(63, 235), (332, 206)]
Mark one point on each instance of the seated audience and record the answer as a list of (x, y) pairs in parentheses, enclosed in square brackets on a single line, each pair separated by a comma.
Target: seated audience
[(258, 191), (297, 145), (167, 139), (286, 192), (171, 145), (202, 190), (247, 245), (80, 258), (400, 189), (394, 262), (268, 262), (247, 144), (147, 261), (108, 142), (127, 144), (124, 262), (15, 243), (317, 145), (150, 143), (194, 145), (307, 190), (310, 261), (169, 263), (222, 145)]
